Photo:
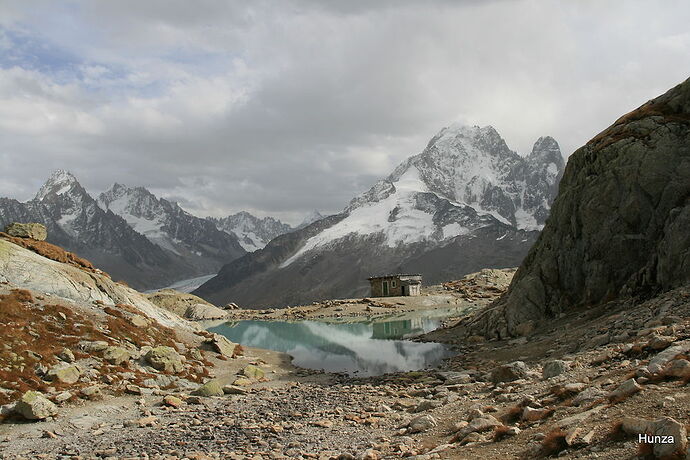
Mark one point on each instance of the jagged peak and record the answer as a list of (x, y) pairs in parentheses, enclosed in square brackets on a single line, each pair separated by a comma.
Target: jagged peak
[(59, 182), (547, 150)]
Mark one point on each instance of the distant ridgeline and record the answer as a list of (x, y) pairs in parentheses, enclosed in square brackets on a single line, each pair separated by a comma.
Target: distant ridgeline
[(465, 203), (146, 241)]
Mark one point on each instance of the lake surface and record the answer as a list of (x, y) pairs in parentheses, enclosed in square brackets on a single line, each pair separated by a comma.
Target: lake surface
[(364, 348)]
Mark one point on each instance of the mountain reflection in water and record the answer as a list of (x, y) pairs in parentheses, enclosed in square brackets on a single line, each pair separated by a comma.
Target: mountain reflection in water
[(363, 349)]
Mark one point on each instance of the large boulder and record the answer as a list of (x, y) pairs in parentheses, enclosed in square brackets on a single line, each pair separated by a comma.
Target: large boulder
[(165, 359), (618, 226), (200, 311), (65, 373), (223, 346), (210, 388), (30, 230), (509, 372), (34, 406), (116, 355)]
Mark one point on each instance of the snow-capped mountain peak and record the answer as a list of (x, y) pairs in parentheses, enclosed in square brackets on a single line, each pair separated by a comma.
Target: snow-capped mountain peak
[(252, 232), (466, 178), (59, 183), (310, 218)]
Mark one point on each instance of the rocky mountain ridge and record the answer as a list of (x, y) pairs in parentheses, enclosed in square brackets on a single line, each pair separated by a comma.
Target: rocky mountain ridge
[(147, 241), (252, 232), (75, 221), (465, 203), (165, 224)]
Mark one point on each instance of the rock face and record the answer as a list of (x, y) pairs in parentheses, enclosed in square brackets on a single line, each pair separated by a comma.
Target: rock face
[(196, 241), (31, 230), (465, 203), (22, 267), (77, 223), (619, 224)]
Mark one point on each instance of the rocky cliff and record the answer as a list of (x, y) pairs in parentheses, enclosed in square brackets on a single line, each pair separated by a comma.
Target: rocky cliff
[(619, 225)]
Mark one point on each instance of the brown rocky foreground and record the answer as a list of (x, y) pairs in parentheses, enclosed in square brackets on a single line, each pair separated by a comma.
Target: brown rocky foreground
[(582, 388)]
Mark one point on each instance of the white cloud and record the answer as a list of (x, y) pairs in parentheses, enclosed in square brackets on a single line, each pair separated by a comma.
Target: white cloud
[(285, 107)]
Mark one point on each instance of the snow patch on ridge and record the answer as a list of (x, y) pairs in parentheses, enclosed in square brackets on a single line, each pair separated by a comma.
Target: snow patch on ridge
[(396, 216)]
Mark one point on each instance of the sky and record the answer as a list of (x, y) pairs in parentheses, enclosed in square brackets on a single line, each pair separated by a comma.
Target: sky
[(285, 106)]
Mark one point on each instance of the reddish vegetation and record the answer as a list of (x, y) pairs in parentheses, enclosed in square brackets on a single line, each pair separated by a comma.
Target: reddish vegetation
[(554, 443), (51, 251), (44, 330), (500, 432), (33, 333), (620, 129)]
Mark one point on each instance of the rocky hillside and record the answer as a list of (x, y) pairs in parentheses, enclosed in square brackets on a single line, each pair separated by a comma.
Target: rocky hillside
[(465, 203), (619, 226), (155, 244), (252, 233)]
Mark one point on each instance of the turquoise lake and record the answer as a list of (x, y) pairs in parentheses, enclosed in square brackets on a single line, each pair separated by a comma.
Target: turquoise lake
[(367, 348)]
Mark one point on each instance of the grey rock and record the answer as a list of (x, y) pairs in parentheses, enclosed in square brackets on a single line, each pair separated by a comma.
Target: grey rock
[(201, 311), (165, 359), (34, 406), (624, 390), (554, 367), (421, 423), (509, 372)]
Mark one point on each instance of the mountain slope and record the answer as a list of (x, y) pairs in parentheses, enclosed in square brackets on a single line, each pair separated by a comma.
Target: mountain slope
[(619, 226), (252, 232), (467, 192), (195, 240), (76, 222)]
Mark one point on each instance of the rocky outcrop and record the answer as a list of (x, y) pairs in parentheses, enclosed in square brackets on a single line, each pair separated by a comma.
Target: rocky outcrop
[(619, 225), (31, 230), (22, 267), (178, 302)]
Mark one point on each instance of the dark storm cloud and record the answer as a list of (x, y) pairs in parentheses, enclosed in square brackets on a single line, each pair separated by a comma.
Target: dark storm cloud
[(283, 107)]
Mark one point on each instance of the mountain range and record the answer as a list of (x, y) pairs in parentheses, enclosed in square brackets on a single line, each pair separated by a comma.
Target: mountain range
[(466, 202), (143, 240)]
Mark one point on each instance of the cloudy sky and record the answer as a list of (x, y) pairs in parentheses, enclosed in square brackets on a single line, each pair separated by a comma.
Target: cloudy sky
[(280, 107)]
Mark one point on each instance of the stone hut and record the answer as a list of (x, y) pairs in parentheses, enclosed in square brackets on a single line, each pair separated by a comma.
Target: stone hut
[(395, 285)]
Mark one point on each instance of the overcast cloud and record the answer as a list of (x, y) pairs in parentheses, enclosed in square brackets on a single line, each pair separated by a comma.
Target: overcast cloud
[(279, 107)]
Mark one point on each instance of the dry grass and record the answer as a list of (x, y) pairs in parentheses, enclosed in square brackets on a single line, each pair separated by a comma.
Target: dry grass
[(28, 329), (500, 433), (512, 415), (616, 432), (554, 443)]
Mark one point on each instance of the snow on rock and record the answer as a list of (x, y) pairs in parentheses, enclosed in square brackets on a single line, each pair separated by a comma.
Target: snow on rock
[(465, 178), (252, 232)]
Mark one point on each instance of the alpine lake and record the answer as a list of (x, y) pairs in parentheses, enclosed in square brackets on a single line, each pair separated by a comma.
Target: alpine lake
[(361, 347)]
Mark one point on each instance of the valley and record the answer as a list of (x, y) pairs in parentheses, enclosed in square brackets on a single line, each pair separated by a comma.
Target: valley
[(577, 353)]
